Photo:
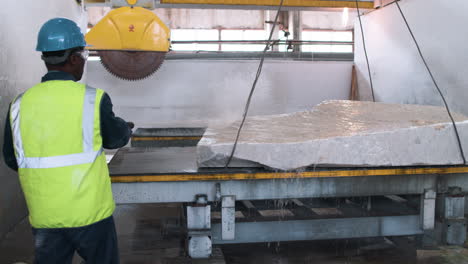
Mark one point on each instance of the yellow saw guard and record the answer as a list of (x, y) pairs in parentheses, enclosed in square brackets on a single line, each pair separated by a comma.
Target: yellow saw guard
[(130, 29), (131, 41)]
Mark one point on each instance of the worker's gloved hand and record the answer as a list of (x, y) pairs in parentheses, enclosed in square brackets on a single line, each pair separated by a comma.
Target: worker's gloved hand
[(131, 125)]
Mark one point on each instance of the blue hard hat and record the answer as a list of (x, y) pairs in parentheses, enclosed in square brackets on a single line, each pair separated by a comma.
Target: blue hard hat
[(59, 34)]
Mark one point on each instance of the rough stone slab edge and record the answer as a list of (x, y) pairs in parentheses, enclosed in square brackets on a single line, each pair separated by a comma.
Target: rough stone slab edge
[(431, 145)]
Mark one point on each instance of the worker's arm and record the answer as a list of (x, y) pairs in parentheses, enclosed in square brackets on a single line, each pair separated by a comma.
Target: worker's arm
[(8, 150), (115, 131)]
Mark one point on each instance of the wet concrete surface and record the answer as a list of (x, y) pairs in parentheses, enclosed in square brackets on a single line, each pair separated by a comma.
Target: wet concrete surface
[(330, 252), (151, 234)]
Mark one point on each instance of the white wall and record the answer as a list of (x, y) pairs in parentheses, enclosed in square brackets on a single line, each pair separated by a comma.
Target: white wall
[(399, 75), (21, 68), (210, 18), (200, 92), (329, 20)]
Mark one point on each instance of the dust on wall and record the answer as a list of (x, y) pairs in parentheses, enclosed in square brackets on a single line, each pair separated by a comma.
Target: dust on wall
[(398, 73), (204, 92)]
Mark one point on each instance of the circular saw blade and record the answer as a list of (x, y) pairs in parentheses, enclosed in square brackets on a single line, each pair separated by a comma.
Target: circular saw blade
[(131, 65)]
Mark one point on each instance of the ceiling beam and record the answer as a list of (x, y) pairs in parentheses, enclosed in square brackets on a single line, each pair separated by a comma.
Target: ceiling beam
[(287, 3), (250, 4), (90, 2)]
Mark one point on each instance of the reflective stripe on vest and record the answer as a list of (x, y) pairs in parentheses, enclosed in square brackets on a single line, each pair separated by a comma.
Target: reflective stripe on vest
[(87, 156)]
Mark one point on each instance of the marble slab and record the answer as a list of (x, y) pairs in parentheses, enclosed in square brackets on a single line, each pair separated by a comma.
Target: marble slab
[(341, 133)]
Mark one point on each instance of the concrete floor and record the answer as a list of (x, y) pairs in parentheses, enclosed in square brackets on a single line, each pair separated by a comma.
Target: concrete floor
[(150, 234)]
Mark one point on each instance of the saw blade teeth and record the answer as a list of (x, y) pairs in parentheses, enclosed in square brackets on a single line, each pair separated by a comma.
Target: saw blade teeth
[(131, 65)]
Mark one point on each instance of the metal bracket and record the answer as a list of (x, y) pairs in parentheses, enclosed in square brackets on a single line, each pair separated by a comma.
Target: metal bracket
[(217, 196), (201, 200), (143, 3), (199, 216)]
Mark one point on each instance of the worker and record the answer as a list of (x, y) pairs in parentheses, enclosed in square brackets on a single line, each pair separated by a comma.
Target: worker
[(54, 137)]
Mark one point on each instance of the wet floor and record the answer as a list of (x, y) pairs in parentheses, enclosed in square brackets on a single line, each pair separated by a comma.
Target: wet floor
[(330, 252), (151, 234)]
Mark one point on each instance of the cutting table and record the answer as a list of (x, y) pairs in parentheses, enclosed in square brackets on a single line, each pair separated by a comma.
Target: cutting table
[(171, 175), (167, 137)]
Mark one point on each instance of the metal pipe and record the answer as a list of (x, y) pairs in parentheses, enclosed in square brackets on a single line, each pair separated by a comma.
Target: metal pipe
[(280, 42), (369, 4)]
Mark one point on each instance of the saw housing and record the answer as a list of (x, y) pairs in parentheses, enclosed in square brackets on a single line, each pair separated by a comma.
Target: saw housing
[(131, 41)]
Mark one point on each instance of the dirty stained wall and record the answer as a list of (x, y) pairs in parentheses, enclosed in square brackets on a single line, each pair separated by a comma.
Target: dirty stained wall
[(398, 73), (197, 18), (329, 20), (210, 18), (21, 68), (203, 92), (176, 18)]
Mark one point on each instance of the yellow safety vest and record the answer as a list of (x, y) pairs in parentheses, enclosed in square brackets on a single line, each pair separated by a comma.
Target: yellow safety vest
[(58, 147)]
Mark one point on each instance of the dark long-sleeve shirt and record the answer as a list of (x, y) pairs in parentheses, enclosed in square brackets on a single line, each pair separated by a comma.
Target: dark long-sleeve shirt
[(114, 130)]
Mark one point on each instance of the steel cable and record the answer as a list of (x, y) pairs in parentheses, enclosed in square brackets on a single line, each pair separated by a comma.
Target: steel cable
[(434, 81), (365, 51), (259, 71)]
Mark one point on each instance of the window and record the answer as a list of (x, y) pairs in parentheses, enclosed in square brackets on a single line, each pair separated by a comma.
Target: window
[(194, 35), (282, 37), (230, 34), (327, 36), (225, 35)]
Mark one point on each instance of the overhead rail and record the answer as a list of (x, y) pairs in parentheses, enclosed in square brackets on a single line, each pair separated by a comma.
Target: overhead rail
[(251, 55), (292, 3), (282, 42), (368, 4), (289, 44)]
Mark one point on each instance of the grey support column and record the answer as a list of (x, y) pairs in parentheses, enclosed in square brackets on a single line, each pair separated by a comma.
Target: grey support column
[(297, 29)]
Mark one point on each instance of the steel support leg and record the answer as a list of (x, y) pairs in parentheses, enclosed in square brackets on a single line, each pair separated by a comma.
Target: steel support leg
[(454, 216), (428, 205), (431, 235), (199, 228), (228, 217)]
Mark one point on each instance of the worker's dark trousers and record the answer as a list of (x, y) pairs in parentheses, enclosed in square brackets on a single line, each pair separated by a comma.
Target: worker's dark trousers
[(96, 244)]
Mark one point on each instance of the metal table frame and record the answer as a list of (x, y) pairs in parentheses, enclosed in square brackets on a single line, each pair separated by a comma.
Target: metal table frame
[(441, 190)]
